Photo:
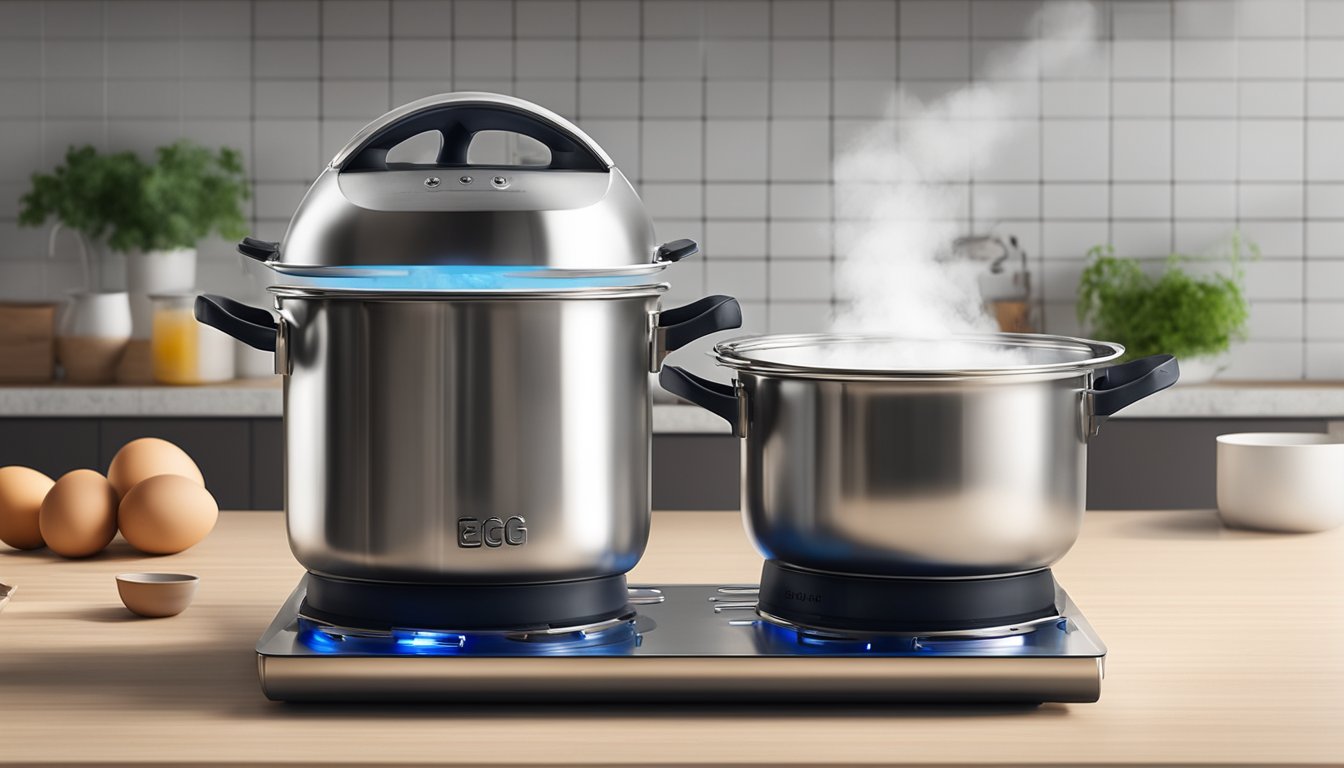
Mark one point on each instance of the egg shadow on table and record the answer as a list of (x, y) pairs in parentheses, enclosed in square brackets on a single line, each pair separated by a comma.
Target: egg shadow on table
[(119, 550)]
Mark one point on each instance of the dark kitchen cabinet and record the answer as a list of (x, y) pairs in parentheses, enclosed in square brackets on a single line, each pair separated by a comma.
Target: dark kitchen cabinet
[(1132, 464)]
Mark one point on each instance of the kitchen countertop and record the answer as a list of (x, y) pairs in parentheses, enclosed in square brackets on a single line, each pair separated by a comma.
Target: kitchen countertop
[(261, 398), (1224, 648)]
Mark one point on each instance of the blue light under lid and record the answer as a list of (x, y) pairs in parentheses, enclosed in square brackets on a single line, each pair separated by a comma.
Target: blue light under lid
[(463, 277)]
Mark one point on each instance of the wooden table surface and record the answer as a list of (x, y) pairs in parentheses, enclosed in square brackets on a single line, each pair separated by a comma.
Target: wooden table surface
[(1225, 647)]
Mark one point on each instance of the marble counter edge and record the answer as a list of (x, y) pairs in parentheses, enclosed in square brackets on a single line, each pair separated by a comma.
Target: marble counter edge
[(1324, 401)]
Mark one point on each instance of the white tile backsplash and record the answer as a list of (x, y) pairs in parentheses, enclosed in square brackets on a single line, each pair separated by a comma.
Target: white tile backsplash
[(424, 18), (1271, 59), (1204, 58), (1204, 201), (1325, 58), (1075, 150), (736, 150), (935, 18), (671, 150), (1205, 98), (1271, 150), (1205, 150), (1204, 19), (864, 18), (1266, 360), (1325, 18), (1325, 360), (1325, 161), (1271, 98), (547, 19), (1141, 150), (1186, 121), (1141, 201), (1270, 19), (1141, 59), (1277, 201)]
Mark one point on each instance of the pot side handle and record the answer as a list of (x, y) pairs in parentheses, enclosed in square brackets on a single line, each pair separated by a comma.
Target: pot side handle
[(680, 326), (719, 399), (1120, 386), (251, 325)]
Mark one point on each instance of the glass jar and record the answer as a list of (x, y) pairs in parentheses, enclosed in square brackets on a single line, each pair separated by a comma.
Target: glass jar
[(183, 350)]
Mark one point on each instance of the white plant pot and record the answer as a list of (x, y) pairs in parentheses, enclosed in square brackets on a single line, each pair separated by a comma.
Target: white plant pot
[(1201, 370), (150, 272)]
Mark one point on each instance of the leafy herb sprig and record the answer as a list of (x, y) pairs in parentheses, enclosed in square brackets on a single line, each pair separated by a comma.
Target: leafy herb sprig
[(187, 193), (1174, 311)]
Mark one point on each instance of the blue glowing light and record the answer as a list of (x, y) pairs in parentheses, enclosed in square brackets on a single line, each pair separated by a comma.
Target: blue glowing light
[(473, 277), (616, 640), (773, 638)]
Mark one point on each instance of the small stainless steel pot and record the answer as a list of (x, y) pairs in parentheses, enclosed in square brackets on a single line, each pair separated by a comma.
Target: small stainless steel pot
[(468, 438), (855, 468)]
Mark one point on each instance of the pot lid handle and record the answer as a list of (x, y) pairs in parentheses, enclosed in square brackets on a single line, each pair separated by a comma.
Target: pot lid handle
[(460, 116)]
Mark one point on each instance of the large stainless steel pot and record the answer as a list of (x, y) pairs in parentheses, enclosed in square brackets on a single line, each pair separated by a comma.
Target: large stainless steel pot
[(852, 465), (468, 438), (466, 352)]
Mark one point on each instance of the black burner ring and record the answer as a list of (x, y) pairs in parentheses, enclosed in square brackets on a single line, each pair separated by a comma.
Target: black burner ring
[(517, 607), (878, 604)]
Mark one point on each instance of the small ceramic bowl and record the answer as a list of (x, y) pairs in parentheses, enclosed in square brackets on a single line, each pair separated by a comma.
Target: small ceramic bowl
[(156, 595), (1281, 481)]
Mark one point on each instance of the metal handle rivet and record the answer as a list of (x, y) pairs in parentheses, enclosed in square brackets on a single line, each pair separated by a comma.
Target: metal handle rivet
[(432, 181)]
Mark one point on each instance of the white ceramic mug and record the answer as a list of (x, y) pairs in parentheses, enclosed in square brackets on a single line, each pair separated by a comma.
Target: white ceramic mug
[(1281, 481)]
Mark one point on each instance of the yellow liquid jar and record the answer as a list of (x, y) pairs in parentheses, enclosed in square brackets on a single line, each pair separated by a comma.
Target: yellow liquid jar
[(185, 351)]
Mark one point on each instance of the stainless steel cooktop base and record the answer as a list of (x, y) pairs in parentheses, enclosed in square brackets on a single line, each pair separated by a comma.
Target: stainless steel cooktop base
[(699, 643)]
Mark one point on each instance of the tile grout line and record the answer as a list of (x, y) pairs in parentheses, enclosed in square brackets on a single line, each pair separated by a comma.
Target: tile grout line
[(704, 154), (1305, 219)]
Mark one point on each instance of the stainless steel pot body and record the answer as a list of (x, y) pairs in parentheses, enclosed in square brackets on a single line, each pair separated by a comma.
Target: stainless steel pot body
[(914, 478), (467, 440), (919, 474)]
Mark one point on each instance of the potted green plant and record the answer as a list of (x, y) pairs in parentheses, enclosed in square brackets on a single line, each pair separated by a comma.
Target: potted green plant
[(155, 213), (1193, 307)]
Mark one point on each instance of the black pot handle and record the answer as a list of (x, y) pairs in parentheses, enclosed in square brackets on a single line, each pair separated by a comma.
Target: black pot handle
[(251, 325), (458, 117), (675, 251), (261, 250), (719, 399), (1120, 386), (680, 326)]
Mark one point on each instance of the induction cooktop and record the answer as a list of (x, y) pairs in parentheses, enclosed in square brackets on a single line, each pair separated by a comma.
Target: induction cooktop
[(685, 643)]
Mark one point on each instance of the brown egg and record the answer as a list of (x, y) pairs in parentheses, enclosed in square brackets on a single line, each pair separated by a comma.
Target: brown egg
[(147, 457), (166, 514), (21, 493), (79, 514)]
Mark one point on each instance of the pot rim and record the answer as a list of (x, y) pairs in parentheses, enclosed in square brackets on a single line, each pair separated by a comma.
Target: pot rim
[(479, 294), (737, 354), (341, 272)]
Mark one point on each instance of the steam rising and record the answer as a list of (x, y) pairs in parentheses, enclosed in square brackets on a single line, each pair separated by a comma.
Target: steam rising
[(897, 193)]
